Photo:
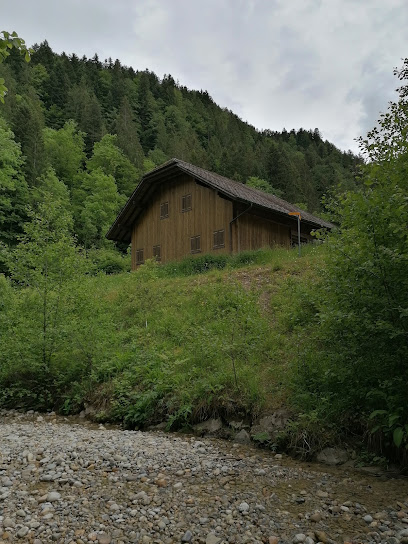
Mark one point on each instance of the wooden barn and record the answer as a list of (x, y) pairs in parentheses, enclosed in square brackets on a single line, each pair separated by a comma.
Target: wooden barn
[(179, 209)]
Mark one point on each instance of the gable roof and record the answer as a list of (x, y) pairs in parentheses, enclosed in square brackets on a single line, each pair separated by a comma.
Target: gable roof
[(121, 228)]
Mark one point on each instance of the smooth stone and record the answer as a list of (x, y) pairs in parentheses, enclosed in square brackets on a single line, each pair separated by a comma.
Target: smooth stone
[(242, 437), (211, 426), (104, 538), (187, 537), (332, 456), (53, 496), (322, 494), (22, 532), (322, 537), (212, 538)]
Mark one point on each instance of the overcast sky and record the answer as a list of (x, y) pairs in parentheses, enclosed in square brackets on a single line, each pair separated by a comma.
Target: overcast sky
[(275, 63)]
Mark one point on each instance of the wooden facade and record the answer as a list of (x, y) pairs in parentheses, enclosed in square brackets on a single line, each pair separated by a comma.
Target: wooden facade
[(252, 232), (207, 214), (180, 210)]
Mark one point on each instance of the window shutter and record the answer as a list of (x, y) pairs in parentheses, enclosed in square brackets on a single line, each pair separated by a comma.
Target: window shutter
[(139, 256), (157, 253), (218, 239), (195, 244), (164, 210), (186, 203)]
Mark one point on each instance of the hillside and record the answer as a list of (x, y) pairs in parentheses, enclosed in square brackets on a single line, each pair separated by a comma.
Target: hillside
[(168, 343), (86, 130), (325, 335)]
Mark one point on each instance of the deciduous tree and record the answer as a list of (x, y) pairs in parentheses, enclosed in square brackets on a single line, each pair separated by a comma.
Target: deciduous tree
[(8, 42), (14, 194), (65, 150), (365, 315)]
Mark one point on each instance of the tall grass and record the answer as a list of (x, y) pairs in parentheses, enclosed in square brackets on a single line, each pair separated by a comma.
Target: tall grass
[(168, 342)]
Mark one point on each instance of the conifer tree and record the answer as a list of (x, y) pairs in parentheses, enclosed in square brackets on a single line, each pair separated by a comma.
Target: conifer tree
[(127, 134), (145, 112), (28, 123)]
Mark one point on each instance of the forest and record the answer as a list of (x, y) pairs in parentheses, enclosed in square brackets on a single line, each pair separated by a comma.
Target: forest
[(89, 130), (324, 334)]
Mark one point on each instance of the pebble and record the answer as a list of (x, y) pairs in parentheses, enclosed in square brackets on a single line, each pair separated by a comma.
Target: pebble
[(21, 533), (53, 496), (212, 539), (103, 538), (187, 536), (82, 484), (322, 494), (321, 536)]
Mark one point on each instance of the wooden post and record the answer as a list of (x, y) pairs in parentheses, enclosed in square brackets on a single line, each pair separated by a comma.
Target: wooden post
[(298, 222)]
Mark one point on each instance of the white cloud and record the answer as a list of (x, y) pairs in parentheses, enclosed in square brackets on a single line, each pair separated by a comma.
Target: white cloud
[(303, 63)]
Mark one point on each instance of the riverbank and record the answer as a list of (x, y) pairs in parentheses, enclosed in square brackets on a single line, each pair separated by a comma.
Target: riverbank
[(81, 483)]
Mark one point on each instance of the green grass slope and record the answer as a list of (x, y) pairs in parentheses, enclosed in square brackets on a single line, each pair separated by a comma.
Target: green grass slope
[(177, 343)]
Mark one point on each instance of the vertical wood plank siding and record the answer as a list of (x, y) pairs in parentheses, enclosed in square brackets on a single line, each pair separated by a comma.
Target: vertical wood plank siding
[(252, 232), (208, 213)]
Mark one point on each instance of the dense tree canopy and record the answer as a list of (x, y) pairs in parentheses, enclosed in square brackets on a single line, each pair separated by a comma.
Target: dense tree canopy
[(14, 194), (9, 41), (91, 128), (154, 120), (76, 136)]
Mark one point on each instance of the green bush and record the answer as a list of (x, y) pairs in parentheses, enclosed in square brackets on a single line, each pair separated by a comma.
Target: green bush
[(108, 261), (360, 365)]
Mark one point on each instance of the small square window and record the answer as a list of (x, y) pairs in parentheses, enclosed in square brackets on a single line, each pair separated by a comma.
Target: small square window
[(195, 243), (219, 239), (157, 253), (139, 256), (164, 210), (186, 203)]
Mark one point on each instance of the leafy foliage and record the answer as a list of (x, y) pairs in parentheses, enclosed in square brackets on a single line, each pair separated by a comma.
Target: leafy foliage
[(14, 195), (364, 317), (65, 151), (11, 41), (143, 347), (128, 121), (326, 334)]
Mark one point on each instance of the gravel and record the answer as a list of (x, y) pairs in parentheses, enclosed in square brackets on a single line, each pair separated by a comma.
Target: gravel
[(76, 483)]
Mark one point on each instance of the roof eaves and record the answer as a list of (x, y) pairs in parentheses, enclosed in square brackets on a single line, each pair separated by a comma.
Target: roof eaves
[(225, 186)]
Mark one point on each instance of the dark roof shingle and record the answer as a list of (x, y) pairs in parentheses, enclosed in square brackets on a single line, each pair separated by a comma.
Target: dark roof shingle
[(120, 229)]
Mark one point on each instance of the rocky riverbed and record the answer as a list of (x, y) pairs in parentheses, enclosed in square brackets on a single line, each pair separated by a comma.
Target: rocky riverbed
[(77, 483)]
